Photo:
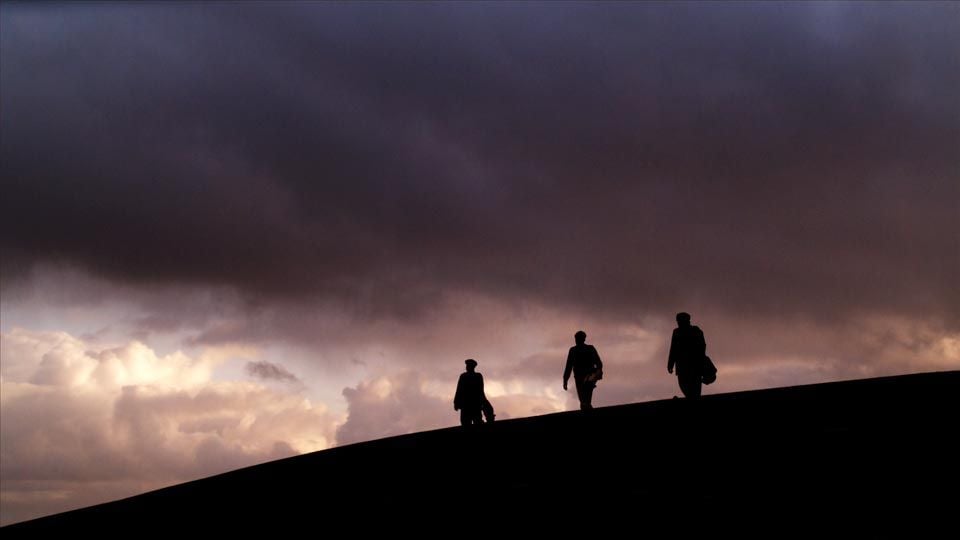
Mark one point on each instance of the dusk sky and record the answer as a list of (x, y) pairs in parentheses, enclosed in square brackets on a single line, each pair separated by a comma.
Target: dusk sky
[(235, 232)]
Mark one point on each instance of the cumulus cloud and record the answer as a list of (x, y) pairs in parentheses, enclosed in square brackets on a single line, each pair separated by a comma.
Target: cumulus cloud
[(123, 419), (410, 401), (393, 405)]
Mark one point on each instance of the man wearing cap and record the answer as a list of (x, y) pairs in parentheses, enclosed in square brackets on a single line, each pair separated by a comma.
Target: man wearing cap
[(584, 361), (687, 351), (470, 398)]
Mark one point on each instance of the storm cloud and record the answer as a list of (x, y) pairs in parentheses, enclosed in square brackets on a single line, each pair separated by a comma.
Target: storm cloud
[(617, 158)]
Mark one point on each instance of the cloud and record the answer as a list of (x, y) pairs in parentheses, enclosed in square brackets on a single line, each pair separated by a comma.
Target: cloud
[(121, 420), (393, 405), (269, 371), (623, 160), (410, 401)]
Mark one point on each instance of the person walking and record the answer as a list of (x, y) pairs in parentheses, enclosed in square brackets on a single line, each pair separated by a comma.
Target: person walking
[(688, 350), (584, 361), (470, 398)]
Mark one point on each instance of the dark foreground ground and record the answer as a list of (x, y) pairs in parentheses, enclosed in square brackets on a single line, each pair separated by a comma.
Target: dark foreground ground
[(865, 458)]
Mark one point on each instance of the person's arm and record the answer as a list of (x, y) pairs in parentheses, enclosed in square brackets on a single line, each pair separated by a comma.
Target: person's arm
[(671, 359), (566, 371), (596, 359), (701, 343)]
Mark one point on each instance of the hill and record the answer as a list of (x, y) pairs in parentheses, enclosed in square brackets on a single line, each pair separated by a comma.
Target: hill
[(866, 453)]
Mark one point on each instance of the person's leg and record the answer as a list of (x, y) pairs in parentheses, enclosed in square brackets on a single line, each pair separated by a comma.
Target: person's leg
[(690, 386), (585, 394), (469, 417)]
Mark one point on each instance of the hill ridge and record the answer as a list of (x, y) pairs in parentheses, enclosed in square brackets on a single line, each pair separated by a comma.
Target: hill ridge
[(877, 445)]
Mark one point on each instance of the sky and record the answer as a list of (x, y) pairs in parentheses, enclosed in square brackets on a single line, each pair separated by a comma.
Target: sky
[(235, 232)]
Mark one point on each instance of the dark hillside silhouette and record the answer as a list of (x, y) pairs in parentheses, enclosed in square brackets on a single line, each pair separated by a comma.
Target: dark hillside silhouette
[(857, 454)]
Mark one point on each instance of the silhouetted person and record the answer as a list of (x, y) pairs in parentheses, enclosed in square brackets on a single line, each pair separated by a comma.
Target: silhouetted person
[(687, 352), (470, 399), (587, 369)]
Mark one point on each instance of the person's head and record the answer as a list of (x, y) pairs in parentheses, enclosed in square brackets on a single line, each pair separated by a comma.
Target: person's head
[(580, 337), (683, 319), (471, 364)]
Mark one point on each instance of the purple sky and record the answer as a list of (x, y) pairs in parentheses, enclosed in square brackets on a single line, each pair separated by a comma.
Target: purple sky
[(232, 232)]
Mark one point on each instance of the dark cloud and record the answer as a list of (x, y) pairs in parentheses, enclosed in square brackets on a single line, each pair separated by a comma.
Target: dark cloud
[(270, 371), (778, 160)]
